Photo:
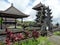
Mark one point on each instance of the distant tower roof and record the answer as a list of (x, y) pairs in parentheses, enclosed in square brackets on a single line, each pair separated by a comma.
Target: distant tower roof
[(38, 6)]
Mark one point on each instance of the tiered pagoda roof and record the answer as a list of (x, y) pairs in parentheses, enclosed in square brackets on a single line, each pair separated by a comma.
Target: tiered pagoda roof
[(38, 6)]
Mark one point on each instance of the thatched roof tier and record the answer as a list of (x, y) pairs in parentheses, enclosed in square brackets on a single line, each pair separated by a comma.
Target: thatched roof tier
[(38, 6), (2, 14)]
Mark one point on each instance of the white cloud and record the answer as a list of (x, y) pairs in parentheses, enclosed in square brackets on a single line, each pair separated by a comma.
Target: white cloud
[(32, 15), (36, 2), (3, 5), (20, 4), (54, 5)]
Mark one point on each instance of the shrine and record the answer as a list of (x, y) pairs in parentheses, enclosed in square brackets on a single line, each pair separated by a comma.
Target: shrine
[(10, 15), (43, 17)]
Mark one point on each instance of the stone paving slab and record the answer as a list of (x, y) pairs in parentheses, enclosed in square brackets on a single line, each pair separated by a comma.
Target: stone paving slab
[(55, 39)]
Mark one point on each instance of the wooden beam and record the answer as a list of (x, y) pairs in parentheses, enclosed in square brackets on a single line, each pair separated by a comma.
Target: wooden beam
[(5, 24), (21, 20), (15, 23), (1, 22), (12, 15)]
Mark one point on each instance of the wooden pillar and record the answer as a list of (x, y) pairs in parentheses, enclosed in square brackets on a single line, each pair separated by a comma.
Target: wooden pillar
[(1, 22), (5, 23), (21, 20), (15, 22)]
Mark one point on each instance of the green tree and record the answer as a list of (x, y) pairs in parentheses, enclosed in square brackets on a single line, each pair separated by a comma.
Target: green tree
[(57, 24), (0, 20)]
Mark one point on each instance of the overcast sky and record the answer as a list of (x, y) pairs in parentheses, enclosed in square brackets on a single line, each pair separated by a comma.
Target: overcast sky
[(27, 5)]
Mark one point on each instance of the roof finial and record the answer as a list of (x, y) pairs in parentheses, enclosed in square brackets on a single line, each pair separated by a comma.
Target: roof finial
[(11, 4)]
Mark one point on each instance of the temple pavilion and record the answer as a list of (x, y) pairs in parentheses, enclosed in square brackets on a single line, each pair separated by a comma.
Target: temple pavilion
[(43, 16), (10, 15)]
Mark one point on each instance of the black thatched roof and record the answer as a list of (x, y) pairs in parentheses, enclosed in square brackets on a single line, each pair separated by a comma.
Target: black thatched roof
[(38, 6)]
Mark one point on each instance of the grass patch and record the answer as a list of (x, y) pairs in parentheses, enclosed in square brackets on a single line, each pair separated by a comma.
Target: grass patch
[(57, 33), (40, 41), (44, 41)]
